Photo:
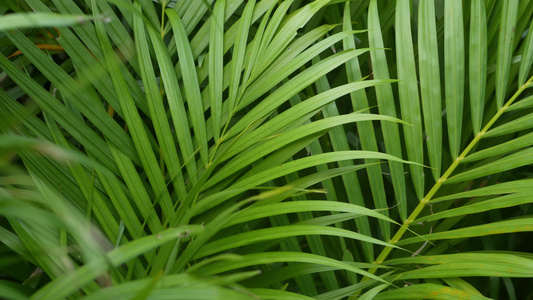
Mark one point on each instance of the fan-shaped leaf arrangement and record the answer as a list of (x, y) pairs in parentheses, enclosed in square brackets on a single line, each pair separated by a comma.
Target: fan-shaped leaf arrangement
[(236, 149)]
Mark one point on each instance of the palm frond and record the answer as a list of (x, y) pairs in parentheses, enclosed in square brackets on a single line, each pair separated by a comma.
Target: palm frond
[(266, 149)]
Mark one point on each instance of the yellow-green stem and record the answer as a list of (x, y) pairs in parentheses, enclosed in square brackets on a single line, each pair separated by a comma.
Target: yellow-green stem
[(399, 234)]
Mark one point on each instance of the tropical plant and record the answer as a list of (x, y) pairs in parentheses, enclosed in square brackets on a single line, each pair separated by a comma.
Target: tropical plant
[(264, 149)]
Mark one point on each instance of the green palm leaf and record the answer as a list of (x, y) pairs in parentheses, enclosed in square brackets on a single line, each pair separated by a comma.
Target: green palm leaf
[(229, 149)]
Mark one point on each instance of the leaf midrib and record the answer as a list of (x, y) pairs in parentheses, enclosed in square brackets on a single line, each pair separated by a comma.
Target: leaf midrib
[(399, 234)]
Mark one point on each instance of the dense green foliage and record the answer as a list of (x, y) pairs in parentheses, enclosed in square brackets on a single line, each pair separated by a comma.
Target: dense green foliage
[(265, 149)]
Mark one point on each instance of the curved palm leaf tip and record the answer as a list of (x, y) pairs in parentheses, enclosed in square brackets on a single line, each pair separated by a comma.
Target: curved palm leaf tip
[(235, 149)]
